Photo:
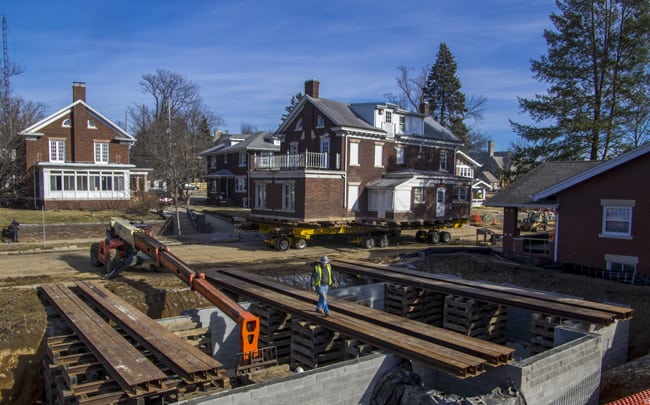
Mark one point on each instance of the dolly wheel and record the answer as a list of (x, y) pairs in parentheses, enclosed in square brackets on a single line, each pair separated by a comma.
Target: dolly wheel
[(282, 244), (368, 242), (300, 243)]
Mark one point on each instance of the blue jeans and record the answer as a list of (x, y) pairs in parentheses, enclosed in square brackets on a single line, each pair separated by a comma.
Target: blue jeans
[(322, 298)]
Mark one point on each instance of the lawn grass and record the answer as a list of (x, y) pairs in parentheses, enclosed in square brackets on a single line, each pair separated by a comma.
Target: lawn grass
[(26, 216)]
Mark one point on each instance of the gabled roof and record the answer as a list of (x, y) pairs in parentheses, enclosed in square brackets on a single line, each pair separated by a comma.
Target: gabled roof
[(547, 174), (481, 183), (469, 160), (35, 129), (259, 141), (592, 172)]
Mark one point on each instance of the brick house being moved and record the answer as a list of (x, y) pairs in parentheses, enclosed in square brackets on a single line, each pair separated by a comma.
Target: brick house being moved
[(359, 163), (78, 159)]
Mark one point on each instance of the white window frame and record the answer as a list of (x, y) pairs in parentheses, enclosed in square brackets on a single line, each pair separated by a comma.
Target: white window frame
[(627, 263), (617, 211), (379, 155), (92, 125), (240, 184), (288, 196), (389, 117), (260, 195), (298, 125), (354, 153), (353, 196), (242, 159), (320, 121), (57, 150), (460, 193), (444, 162), (67, 123), (102, 152), (402, 123), (399, 155), (418, 195)]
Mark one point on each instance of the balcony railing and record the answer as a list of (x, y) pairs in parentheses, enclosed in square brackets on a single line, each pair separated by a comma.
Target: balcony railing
[(305, 160)]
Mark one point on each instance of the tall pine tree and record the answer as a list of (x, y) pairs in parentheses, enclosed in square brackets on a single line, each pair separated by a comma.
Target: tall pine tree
[(596, 68), (442, 92)]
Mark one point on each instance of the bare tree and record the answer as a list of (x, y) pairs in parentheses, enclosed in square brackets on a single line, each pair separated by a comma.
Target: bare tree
[(172, 130), (411, 89)]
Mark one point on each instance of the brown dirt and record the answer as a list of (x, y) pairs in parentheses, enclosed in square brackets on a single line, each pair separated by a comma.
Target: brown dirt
[(23, 320)]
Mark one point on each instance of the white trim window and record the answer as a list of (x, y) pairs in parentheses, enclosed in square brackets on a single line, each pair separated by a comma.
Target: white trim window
[(460, 194), (101, 152), (353, 196), (617, 218), (260, 195), (320, 122), (465, 171), (443, 160), (288, 197), (92, 125), (298, 126), (623, 264), (57, 150), (418, 195), (354, 153), (67, 123), (242, 159), (399, 155), (379, 155), (240, 184)]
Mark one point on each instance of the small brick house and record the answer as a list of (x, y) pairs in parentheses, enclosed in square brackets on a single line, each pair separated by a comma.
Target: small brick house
[(78, 159), (361, 162), (602, 211)]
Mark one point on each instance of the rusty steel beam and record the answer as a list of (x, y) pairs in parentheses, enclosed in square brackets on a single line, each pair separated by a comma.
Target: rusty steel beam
[(184, 359), (493, 353), (495, 297), (619, 311), (134, 373), (451, 361)]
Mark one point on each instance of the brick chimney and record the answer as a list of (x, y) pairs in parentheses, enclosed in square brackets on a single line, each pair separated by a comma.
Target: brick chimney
[(491, 148), (78, 91), (424, 109), (311, 88)]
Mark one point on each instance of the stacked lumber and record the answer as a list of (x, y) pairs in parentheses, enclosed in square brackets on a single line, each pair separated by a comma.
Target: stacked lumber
[(275, 329), (475, 318), (314, 345), (542, 332), (414, 303)]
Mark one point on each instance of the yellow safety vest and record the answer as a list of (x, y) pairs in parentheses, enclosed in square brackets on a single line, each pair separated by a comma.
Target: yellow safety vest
[(319, 274)]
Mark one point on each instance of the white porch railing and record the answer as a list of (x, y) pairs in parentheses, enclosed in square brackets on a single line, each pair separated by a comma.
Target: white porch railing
[(305, 160)]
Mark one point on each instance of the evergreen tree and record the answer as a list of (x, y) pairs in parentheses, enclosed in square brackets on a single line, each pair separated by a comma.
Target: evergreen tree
[(295, 99), (442, 92), (597, 70)]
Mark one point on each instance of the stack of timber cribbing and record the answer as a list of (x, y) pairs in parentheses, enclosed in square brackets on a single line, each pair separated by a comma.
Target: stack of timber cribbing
[(93, 363), (194, 334), (373, 328), (565, 307), (474, 318), (313, 345), (542, 332), (275, 329), (414, 303)]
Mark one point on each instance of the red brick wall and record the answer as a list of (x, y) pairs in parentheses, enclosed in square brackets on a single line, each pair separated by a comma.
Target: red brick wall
[(324, 198)]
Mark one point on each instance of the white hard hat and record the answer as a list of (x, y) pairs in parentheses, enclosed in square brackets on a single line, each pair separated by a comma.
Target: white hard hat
[(324, 259)]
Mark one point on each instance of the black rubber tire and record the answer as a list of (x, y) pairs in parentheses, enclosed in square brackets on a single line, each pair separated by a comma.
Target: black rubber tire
[(282, 244), (383, 241), (421, 236), (300, 243), (368, 242), (94, 254), (445, 237), (434, 237)]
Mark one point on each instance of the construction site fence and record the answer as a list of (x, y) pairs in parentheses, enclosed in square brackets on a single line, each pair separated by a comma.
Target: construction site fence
[(619, 276)]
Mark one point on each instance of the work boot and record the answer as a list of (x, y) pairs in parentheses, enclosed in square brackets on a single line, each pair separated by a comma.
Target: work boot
[(327, 314)]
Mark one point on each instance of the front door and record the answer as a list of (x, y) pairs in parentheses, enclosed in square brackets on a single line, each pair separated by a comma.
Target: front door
[(440, 202)]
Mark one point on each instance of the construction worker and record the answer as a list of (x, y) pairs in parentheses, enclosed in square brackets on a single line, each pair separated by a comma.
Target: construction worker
[(14, 227), (322, 278)]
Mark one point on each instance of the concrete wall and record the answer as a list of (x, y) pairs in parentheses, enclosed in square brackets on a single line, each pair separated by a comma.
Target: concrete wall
[(349, 382)]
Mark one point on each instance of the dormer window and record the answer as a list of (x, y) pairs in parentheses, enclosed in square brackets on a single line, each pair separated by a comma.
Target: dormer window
[(320, 122), (91, 124), (67, 123), (299, 125)]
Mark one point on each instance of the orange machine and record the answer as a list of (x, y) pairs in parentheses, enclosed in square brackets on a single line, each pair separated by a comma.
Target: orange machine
[(119, 250)]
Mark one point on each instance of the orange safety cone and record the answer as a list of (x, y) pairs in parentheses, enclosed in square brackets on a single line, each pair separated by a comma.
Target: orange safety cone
[(494, 220)]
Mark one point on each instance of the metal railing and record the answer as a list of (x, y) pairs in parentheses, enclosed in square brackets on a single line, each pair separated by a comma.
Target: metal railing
[(305, 160)]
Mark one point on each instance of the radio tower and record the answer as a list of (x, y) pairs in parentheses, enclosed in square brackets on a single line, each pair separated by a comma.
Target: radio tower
[(5, 59)]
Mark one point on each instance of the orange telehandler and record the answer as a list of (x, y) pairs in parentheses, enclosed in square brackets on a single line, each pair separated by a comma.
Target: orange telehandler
[(122, 247)]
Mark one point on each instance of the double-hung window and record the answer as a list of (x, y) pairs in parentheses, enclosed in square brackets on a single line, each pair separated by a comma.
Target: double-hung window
[(101, 152), (617, 218), (288, 197), (57, 150)]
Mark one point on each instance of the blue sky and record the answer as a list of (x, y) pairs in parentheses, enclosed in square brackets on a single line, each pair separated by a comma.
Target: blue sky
[(249, 57)]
